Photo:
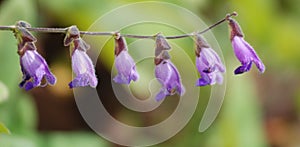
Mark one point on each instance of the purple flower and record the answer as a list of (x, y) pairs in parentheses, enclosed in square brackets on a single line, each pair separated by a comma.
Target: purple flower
[(208, 64), (243, 50), (81, 63), (33, 65), (124, 62), (34, 68), (167, 74)]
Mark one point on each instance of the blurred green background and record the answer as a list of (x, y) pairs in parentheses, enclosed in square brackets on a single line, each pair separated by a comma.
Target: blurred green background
[(259, 110)]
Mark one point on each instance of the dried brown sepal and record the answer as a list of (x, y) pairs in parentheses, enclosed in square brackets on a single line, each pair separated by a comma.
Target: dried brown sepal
[(157, 60), (120, 44), (80, 44), (235, 28), (200, 43), (27, 46), (24, 37), (74, 40), (161, 44), (72, 34), (163, 56), (68, 40), (22, 34)]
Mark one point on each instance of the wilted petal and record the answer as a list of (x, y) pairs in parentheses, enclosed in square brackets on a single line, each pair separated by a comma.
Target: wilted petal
[(167, 74)]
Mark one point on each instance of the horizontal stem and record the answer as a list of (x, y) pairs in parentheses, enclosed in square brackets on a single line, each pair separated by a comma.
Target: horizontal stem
[(9, 28), (48, 30), (64, 30), (179, 36), (97, 33), (137, 36)]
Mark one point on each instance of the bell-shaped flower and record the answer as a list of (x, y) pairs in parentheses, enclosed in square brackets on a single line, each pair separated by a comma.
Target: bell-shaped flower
[(165, 71), (243, 50), (33, 65), (81, 63), (168, 75), (124, 63), (208, 64)]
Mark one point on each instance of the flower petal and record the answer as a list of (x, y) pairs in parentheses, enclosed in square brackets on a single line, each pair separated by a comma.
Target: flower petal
[(246, 54), (121, 79), (161, 95), (34, 67), (84, 69), (79, 81), (210, 67), (244, 68), (167, 74), (34, 83), (243, 50), (202, 82), (51, 79), (126, 68)]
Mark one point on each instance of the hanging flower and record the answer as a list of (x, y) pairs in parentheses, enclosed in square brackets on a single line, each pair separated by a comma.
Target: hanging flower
[(81, 63), (167, 74), (165, 71), (33, 65), (124, 62), (243, 50), (208, 64)]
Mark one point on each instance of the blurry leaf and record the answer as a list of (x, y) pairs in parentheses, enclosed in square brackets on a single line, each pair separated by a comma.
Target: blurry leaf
[(81, 13), (3, 92), (15, 141), (25, 114), (79, 139), (19, 114), (3, 129)]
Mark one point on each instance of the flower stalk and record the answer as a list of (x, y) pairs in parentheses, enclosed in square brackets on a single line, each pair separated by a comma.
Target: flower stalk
[(65, 30)]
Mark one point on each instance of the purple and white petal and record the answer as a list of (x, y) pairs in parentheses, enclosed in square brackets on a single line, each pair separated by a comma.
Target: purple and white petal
[(210, 68), (243, 50), (168, 75), (84, 70), (35, 67)]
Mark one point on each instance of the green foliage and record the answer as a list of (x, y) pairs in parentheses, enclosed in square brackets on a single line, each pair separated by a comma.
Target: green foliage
[(78, 139), (3, 129), (4, 93)]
